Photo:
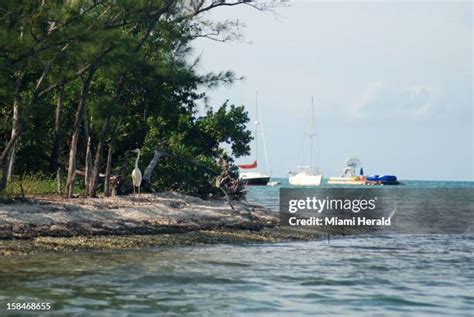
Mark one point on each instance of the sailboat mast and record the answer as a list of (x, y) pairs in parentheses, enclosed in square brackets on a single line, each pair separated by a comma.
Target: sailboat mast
[(311, 135), (256, 126)]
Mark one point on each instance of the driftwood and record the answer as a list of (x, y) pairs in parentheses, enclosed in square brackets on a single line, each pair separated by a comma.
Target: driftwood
[(160, 154), (228, 182), (151, 166)]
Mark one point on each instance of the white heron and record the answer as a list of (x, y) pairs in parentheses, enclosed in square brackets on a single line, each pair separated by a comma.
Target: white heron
[(136, 173)]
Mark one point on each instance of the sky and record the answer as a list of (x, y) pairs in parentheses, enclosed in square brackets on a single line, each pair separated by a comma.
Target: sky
[(392, 84)]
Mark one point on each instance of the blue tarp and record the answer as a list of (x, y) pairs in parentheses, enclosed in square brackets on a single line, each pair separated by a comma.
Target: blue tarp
[(382, 178)]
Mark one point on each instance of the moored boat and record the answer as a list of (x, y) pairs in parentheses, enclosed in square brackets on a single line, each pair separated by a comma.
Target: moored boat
[(305, 178), (255, 177), (349, 175), (308, 176), (382, 180)]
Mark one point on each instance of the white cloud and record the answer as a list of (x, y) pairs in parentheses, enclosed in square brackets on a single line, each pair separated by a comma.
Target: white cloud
[(367, 99), (381, 100), (422, 101)]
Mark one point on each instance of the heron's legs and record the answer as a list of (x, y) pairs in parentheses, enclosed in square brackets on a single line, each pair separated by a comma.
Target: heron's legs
[(138, 189), (134, 189)]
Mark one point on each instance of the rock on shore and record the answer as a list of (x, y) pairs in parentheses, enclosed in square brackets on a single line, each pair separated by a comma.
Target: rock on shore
[(142, 214), (45, 224)]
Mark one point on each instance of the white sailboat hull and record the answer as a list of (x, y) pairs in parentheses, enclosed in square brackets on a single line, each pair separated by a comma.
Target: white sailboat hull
[(305, 179)]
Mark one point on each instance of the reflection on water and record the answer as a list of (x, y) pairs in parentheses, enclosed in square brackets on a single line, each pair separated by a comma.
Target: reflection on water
[(431, 275)]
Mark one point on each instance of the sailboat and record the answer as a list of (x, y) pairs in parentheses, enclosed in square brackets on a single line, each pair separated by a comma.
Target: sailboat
[(250, 174), (253, 177), (307, 176)]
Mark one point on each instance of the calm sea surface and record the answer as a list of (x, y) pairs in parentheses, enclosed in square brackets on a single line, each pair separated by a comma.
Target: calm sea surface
[(397, 275)]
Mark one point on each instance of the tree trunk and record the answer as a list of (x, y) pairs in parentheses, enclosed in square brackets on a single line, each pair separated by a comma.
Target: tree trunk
[(102, 136), (57, 136), (4, 176), (98, 157), (106, 124), (71, 172), (58, 181), (8, 147), (88, 159), (107, 172), (88, 168), (151, 166), (8, 160), (11, 161)]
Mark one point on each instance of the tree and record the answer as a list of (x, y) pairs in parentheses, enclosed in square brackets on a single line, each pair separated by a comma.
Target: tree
[(121, 72)]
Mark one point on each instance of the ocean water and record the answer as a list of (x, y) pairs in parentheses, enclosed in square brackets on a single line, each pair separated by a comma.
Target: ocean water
[(384, 275), (268, 196)]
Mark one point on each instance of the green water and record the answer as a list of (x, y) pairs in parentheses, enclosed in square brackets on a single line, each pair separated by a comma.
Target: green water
[(393, 275)]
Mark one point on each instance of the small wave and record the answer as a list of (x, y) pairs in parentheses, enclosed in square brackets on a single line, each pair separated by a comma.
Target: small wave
[(185, 279), (328, 282), (229, 264), (398, 301), (361, 247)]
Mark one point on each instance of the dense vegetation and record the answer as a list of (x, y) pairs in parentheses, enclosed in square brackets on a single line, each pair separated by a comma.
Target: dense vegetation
[(83, 82)]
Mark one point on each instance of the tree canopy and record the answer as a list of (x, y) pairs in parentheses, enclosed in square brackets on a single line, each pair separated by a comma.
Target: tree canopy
[(83, 82)]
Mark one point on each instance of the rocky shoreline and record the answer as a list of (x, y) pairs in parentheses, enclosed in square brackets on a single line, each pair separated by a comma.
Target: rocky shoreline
[(51, 223)]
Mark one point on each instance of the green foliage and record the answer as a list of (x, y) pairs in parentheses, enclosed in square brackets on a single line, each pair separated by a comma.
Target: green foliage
[(226, 126), (34, 184), (145, 85), (197, 143), (30, 184)]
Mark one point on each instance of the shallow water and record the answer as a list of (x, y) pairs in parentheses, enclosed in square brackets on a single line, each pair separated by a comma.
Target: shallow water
[(395, 275)]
